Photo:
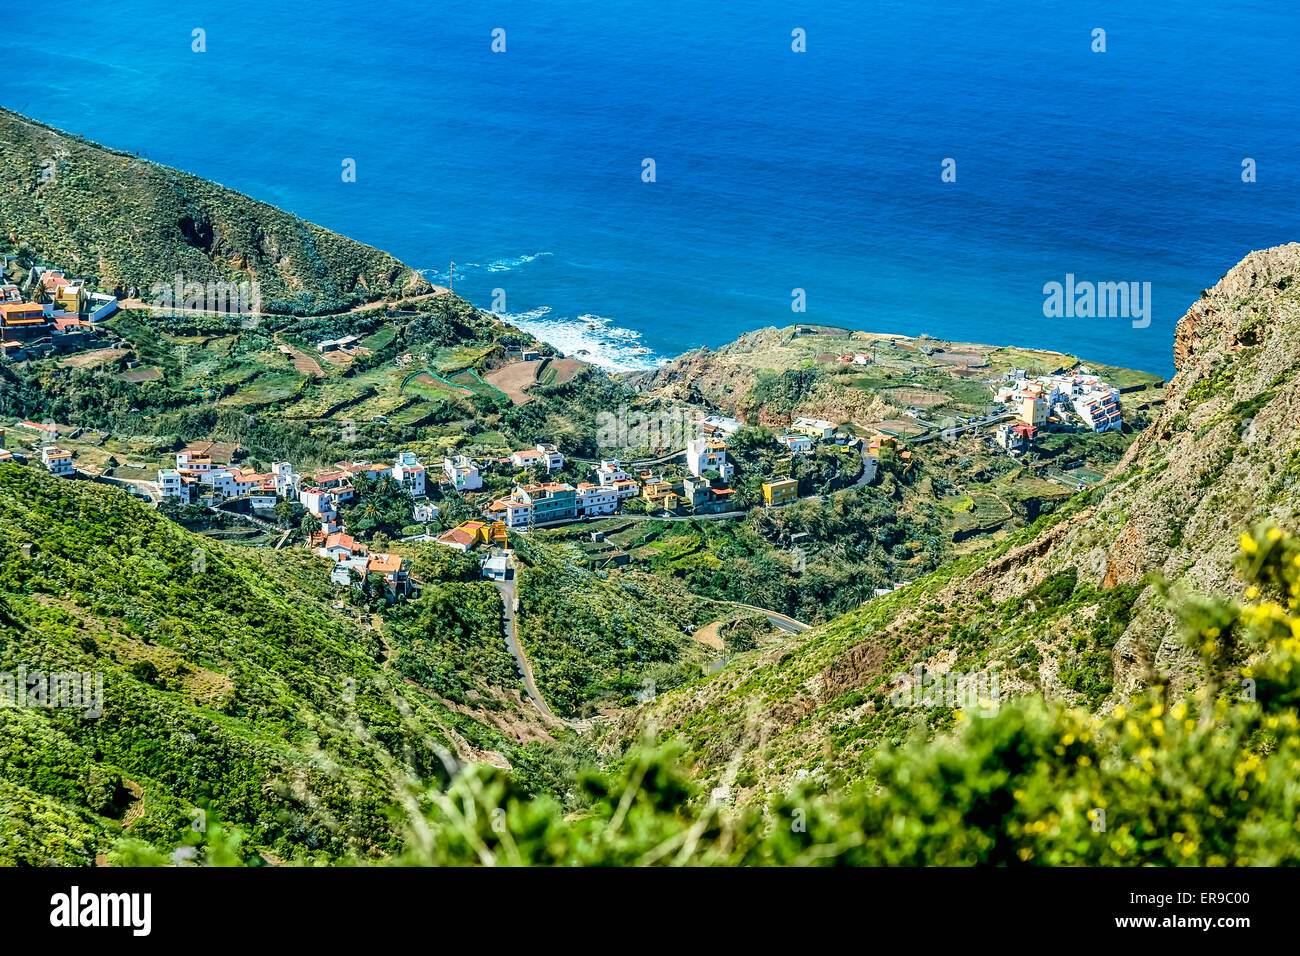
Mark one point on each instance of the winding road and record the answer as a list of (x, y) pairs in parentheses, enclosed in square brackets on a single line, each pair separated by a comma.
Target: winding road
[(510, 625)]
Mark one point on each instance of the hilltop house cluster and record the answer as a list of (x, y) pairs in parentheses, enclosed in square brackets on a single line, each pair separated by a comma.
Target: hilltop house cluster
[(51, 313), (1054, 400), (205, 473), (706, 489), (543, 502)]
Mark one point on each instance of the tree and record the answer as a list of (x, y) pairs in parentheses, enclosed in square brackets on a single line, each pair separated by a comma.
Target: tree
[(283, 512), (381, 505)]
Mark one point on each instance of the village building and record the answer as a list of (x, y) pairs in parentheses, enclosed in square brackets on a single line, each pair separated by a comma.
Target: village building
[(814, 427), (527, 458), (515, 512), (23, 320), (594, 499), (796, 444), (409, 473), (610, 474), (496, 567), (340, 545), (708, 454), (462, 473), (1015, 437), (333, 345), (659, 493), (465, 535), (550, 501), (704, 497), (392, 568), (780, 492), (57, 460)]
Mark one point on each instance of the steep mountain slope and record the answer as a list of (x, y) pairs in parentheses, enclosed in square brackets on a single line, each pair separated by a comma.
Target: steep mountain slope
[(1069, 606), (232, 684), (132, 223)]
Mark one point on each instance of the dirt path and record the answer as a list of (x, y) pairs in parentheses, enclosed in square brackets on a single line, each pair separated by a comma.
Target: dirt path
[(708, 636)]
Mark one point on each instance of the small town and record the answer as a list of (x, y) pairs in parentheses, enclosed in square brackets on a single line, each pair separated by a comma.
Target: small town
[(50, 314)]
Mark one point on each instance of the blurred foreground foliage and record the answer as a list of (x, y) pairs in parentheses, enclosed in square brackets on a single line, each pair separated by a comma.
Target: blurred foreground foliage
[(1209, 779)]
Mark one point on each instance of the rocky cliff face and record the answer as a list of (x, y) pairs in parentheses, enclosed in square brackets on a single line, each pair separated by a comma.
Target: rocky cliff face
[(1222, 455)]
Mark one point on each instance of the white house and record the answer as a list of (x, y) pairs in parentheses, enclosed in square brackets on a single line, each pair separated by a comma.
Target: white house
[(527, 458), (708, 454), (515, 512), (188, 461), (495, 567), (462, 473), (172, 485), (424, 512), (796, 443), (410, 474), (815, 427), (56, 459), (596, 499), (609, 470), (331, 345), (320, 503), (100, 306), (550, 455), (610, 474), (286, 482), (340, 546)]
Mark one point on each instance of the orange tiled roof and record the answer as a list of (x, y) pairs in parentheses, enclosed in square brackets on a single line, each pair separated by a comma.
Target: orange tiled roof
[(341, 539), (384, 563)]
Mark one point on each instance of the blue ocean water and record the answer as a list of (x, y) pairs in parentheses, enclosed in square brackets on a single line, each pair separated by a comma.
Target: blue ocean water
[(775, 170)]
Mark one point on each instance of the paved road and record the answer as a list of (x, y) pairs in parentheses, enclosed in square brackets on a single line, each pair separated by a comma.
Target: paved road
[(970, 426), (511, 627), (148, 489), (781, 621)]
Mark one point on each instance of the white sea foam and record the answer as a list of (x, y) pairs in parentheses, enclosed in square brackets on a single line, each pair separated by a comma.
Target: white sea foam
[(592, 338)]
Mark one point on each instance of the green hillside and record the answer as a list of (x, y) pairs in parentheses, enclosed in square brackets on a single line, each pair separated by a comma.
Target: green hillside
[(232, 682), (131, 223)]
